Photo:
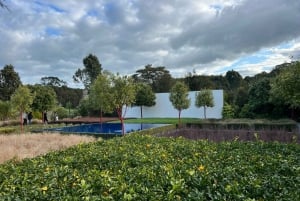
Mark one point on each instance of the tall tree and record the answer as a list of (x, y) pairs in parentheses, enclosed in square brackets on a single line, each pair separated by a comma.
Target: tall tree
[(144, 96), (22, 99), (158, 78), (204, 99), (87, 75), (9, 82), (179, 96), (259, 97), (45, 98), (123, 95), (285, 86), (101, 95), (53, 82), (234, 79)]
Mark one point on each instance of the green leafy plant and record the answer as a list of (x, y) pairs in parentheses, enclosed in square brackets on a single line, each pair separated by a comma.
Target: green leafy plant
[(142, 167)]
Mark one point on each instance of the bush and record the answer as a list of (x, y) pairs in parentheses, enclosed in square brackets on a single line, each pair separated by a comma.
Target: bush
[(141, 167), (5, 130)]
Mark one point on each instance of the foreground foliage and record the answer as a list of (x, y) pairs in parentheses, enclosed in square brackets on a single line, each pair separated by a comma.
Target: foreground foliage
[(137, 167)]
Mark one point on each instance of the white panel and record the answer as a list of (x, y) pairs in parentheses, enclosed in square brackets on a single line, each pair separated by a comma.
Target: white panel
[(164, 108)]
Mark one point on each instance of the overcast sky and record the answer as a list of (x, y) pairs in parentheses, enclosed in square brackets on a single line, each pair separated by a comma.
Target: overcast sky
[(51, 37)]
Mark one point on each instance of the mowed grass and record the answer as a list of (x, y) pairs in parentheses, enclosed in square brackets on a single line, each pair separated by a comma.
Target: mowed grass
[(27, 145)]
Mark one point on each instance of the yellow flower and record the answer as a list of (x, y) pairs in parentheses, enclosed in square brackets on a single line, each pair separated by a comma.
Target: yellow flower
[(201, 168), (45, 188), (148, 145)]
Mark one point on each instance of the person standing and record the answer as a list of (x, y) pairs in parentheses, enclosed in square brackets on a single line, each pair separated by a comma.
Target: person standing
[(45, 118), (30, 116)]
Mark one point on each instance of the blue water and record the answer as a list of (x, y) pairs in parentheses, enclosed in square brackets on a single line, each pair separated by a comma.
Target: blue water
[(104, 128)]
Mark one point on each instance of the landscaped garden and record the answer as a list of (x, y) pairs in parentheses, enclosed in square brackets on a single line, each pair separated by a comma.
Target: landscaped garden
[(146, 167)]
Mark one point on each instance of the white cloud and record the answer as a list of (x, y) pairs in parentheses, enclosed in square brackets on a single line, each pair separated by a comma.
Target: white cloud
[(50, 38)]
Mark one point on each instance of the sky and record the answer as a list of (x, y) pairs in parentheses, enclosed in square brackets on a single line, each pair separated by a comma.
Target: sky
[(42, 38)]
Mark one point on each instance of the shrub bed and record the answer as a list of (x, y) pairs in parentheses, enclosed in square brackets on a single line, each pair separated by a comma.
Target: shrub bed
[(143, 167), (218, 135)]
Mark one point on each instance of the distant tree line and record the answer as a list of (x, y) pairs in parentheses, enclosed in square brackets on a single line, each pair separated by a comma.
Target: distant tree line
[(264, 95)]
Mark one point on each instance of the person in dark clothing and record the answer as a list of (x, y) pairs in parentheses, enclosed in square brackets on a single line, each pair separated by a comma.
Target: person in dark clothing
[(45, 118), (30, 116)]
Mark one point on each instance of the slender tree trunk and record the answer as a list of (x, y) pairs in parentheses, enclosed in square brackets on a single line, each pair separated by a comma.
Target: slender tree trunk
[(141, 111), (119, 111), (204, 112), (21, 121), (179, 119)]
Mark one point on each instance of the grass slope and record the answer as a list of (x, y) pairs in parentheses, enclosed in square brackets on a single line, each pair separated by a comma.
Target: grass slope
[(139, 167)]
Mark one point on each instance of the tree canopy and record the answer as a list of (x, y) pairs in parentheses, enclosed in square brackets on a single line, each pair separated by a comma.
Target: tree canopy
[(53, 82), (87, 75), (179, 97), (45, 98), (9, 82), (204, 99), (144, 96), (158, 78), (100, 96), (285, 87), (22, 100)]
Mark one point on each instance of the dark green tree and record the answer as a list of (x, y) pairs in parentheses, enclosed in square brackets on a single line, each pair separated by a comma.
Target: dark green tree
[(158, 78), (259, 95), (204, 99), (87, 75), (144, 96), (285, 87), (45, 98), (53, 81), (9, 82), (179, 97), (234, 80)]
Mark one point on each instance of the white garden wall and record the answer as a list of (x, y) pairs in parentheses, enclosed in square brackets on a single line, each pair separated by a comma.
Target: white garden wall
[(164, 108)]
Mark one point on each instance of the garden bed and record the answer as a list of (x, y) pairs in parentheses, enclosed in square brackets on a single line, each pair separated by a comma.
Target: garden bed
[(218, 135)]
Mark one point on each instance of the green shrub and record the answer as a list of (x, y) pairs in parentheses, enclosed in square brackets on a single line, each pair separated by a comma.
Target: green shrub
[(7, 130), (142, 167), (228, 111)]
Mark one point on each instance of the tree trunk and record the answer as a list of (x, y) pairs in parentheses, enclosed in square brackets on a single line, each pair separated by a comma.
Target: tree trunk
[(141, 111), (179, 118), (119, 111), (21, 121), (204, 112)]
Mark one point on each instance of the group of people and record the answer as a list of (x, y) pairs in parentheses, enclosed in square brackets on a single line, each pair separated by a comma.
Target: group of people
[(27, 118)]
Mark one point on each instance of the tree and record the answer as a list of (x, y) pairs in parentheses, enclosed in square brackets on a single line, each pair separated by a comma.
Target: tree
[(22, 99), (259, 98), (53, 81), (204, 99), (158, 78), (9, 82), (123, 95), (45, 98), (285, 86), (100, 96), (144, 97), (179, 98), (87, 75), (234, 79), (5, 110)]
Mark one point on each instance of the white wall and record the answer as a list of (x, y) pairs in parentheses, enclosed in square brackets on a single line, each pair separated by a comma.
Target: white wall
[(164, 108)]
